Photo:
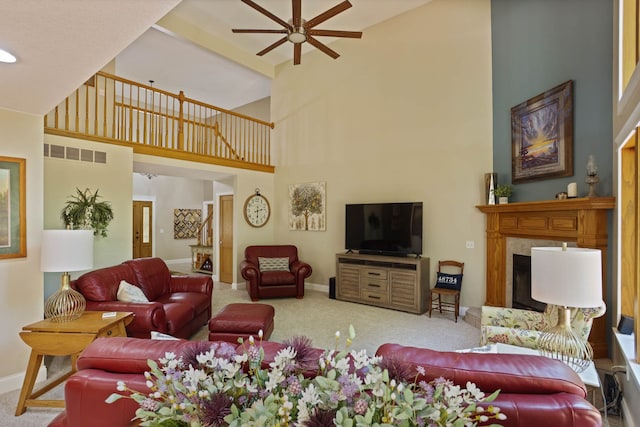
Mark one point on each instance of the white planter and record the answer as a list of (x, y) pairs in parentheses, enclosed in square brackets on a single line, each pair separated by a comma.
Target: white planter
[(503, 200)]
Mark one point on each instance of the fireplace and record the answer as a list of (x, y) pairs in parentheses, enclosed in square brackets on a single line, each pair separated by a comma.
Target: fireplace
[(522, 284), (583, 221)]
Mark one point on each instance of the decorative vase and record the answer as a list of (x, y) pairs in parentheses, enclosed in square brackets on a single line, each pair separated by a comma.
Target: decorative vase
[(490, 181)]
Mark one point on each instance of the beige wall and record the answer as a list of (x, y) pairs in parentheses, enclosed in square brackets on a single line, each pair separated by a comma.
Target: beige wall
[(21, 290), (238, 182), (403, 115), (260, 109), (113, 182), (114, 185), (171, 193)]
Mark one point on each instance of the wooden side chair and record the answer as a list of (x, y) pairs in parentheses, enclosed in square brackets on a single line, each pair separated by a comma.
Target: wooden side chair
[(446, 292)]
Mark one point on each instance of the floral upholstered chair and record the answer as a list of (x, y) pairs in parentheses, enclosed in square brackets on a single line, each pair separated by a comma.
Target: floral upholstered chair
[(523, 327)]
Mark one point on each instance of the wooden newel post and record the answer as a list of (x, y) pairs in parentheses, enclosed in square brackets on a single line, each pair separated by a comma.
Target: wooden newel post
[(181, 121)]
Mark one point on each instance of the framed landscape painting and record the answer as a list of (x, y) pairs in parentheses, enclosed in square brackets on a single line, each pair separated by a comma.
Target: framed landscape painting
[(13, 224), (542, 136)]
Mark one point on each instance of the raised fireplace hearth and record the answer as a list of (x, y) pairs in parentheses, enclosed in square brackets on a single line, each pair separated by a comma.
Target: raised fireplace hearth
[(583, 221)]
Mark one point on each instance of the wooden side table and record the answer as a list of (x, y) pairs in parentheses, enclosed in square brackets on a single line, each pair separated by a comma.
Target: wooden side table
[(63, 339)]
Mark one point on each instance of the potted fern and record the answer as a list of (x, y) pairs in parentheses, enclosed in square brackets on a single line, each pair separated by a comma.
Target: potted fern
[(84, 211), (503, 192)]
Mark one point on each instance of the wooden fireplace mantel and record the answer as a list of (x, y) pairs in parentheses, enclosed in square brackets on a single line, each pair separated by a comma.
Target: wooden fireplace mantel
[(581, 220)]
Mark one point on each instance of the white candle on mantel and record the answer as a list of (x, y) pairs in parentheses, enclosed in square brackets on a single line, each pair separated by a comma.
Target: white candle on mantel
[(572, 189)]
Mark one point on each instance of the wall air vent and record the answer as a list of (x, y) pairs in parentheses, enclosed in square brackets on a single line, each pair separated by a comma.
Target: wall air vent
[(73, 153)]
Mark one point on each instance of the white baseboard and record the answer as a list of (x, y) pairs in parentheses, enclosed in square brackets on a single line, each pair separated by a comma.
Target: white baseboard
[(316, 287), (177, 261), (14, 381)]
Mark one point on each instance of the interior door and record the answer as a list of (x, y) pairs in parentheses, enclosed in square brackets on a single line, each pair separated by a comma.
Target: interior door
[(142, 229), (226, 239)]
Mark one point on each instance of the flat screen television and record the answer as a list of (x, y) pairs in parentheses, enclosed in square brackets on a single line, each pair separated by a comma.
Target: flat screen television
[(384, 228)]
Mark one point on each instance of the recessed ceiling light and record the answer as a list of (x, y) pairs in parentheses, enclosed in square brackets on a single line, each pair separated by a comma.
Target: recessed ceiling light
[(6, 57)]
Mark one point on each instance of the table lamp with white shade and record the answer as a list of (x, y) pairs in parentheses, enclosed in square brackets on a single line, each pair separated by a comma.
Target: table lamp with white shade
[(568, 278), (64, 251)]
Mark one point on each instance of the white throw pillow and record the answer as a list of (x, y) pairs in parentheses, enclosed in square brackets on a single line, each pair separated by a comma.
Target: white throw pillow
[(155, 335), (274, 264), (130, 293)]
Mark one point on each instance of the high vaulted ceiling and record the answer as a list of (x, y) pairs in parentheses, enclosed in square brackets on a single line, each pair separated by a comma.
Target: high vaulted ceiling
[(60, 44), (191, 48)]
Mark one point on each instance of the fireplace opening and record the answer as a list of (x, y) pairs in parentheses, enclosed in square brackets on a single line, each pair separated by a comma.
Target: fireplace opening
[(522, 285)]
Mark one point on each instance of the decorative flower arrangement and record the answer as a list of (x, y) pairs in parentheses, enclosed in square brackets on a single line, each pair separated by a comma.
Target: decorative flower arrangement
[(84, 211), (211, 385)]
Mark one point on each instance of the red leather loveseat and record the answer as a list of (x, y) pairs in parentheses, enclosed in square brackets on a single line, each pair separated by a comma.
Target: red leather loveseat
[(535, 391), (274, 281), (178, 305)]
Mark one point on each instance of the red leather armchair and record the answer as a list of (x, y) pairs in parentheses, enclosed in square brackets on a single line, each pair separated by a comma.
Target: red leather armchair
[(284, 281)]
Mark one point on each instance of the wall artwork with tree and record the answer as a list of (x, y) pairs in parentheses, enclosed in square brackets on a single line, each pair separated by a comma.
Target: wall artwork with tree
[(307, 206)]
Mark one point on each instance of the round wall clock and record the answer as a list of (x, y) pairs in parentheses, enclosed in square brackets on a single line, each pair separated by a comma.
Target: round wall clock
[(257, 210)]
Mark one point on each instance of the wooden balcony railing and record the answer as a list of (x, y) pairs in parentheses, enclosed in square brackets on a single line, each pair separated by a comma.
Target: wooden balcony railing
[(114, 110)]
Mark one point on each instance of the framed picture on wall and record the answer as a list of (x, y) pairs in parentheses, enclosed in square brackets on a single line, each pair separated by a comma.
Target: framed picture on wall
[(307, 206), (13, 222), (542, 136)]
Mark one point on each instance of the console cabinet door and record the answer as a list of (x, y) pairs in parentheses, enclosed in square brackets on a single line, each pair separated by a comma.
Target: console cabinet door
[(404, 287), (349, 282)]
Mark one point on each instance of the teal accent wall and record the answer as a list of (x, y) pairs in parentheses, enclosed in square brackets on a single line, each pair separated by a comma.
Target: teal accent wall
[(537, 45)]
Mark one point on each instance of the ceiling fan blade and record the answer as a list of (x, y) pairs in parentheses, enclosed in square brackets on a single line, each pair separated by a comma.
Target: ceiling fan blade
[(272, 46), (283, 31), (266, 13), (296, 6), (328, 14), (323, 47), (335, 33), (297, 52)]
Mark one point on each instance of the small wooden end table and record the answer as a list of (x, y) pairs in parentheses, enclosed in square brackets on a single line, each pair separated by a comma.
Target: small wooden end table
[(63, 339)]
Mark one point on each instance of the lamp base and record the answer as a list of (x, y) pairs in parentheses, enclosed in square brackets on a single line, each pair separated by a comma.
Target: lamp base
[(562, 343), (66, 304), (592, 180)]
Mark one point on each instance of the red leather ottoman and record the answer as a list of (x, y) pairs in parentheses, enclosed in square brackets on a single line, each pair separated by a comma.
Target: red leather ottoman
[(241, 320)]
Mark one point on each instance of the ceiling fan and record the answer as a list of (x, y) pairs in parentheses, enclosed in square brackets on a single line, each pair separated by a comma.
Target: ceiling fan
[(299, 31)]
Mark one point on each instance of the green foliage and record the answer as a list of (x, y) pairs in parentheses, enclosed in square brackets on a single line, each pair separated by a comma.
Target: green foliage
[(84, 211), (503, 190)]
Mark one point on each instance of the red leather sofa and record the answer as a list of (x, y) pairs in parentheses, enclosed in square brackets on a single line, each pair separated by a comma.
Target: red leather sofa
[(274, 284), (178, 305), (535, 391)]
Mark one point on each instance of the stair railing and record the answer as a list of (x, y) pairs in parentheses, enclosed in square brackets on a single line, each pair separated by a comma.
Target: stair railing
[(115, 110)]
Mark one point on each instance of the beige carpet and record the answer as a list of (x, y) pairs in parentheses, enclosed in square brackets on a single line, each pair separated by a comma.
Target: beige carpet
[(317, 317)]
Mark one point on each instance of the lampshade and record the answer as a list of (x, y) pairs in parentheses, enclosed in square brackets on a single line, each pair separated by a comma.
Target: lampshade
[(66, 250), (570, 277)]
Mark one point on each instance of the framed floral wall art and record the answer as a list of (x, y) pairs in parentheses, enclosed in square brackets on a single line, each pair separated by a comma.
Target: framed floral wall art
[(542, 136), (307, 206), (13, 222)]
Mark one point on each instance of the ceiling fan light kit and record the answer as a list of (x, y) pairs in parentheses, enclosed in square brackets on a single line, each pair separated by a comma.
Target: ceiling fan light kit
[(298, 31), (297, 34)]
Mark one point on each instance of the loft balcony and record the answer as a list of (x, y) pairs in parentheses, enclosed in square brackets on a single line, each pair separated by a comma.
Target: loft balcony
[(155, 122)]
